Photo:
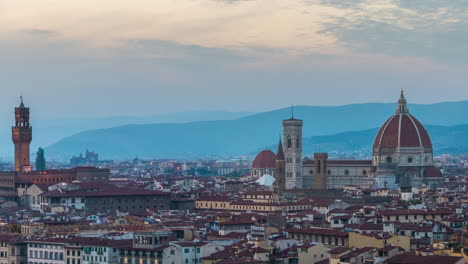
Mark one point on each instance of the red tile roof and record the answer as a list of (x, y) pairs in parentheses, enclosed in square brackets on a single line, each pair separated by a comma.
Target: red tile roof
[(412, 259), (265, 160), (318, 231), (402, 130)]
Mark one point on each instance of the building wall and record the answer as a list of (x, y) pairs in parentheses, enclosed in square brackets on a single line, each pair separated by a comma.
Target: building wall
[(314, 254), (359, 241), (337, 176), (73, 255), (50, 253), (99, 255), (130, 203), (324, 238)]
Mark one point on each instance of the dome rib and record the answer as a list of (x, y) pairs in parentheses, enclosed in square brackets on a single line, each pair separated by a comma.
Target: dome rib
[(417, 130)]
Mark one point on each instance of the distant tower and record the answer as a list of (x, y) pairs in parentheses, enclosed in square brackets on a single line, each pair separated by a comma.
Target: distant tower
[(320, 171), (280, 177), (40, 160), (22, 137), (292, 130)]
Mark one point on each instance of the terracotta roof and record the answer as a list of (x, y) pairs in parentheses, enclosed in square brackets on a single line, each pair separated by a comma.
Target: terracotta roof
[(402, 130), (265, 160), (432, 172), (412, 259), (357, 252), (338, 250), (114, 191), (343, 162), (414, 212), (318, 231)]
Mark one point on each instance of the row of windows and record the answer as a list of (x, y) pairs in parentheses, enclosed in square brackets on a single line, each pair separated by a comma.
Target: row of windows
[(73, 253), (94, 259), (325, 240), (73, 261), (45, 255), (88, 249), (45, 246), (132, 207), (54, 179), (397, 217), (6, 180), (346, 172)]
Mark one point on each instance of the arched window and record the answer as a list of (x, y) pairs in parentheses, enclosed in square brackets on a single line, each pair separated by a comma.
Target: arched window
[(289, 142)]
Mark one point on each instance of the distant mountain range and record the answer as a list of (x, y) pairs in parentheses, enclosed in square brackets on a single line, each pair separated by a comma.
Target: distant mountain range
[(325, 129), (445, 139), (47, 132)]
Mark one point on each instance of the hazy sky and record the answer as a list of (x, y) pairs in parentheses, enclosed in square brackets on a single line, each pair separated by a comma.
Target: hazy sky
[(120, 57)]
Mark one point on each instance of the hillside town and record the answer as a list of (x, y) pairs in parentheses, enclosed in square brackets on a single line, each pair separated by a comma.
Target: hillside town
[(402, 205)]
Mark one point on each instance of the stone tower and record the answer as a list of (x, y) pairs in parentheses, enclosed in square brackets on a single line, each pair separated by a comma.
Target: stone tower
[(320, 170), (22, 137), (292, 134), (40, 160), (280, 175)]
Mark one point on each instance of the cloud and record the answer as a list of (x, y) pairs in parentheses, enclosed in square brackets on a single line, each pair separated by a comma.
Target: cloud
[(430, 29), (39, 32)]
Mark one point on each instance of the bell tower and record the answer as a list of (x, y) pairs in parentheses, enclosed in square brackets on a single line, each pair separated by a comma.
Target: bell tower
[(22, 137), (292, 134)]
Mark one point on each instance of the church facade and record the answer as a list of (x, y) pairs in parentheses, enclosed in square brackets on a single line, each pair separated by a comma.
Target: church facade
[(402, 158)]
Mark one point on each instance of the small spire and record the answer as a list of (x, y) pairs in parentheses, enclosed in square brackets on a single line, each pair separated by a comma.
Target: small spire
[(402, 109), (22, 104), (292, 111), (280, 152)]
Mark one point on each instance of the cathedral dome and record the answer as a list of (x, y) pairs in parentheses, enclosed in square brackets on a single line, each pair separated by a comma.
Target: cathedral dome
[(265, 160), (402, 130)]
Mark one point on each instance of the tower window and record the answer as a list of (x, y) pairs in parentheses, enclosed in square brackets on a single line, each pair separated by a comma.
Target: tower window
[(289, 142), (297, 143)]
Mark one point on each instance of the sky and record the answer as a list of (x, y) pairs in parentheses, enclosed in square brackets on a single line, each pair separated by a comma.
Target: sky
[(82, 58)]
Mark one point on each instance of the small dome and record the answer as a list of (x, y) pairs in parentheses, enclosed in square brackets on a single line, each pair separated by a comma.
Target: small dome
[(432, 172), (266, 180), (265, 160)]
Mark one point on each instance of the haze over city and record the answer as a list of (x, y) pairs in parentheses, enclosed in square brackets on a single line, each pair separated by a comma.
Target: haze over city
[(234, 132), (144, 58)]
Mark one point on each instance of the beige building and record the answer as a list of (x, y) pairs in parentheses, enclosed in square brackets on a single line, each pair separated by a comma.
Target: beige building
[(329, 237), (312, 253), (12, 250), (359, 241)]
